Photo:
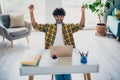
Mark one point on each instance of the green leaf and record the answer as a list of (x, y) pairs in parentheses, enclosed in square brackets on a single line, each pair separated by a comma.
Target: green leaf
[(97, 10), (92, 8), (107, 5), (102, 14), (101, 5), (113, 2), (86, 6), (96, 3), (100, 1)]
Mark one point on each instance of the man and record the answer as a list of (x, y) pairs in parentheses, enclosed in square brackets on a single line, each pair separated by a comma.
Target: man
[(59, 33)]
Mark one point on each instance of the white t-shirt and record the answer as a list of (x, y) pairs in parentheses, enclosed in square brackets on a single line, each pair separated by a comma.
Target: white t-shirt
[(59, 37)]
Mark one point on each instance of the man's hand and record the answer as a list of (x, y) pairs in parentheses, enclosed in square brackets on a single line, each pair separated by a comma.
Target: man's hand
[(83, 8), (31, 7)]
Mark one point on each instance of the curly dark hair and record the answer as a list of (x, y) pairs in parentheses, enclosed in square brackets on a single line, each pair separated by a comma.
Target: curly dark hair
[(59, 11)]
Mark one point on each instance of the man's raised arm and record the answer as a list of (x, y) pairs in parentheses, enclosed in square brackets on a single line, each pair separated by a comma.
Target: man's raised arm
[(31, 9), (82, 21)]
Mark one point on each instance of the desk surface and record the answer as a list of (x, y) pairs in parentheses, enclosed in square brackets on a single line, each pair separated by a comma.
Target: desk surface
[(65, 65)]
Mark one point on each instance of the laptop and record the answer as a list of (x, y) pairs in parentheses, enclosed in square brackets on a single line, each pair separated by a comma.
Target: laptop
[(61, 51)]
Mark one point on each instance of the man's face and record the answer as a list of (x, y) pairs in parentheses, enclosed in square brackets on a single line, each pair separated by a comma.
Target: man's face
[(59, 19)]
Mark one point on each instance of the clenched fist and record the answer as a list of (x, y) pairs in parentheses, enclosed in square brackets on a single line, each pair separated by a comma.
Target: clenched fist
[(83, 8), (31, 7)]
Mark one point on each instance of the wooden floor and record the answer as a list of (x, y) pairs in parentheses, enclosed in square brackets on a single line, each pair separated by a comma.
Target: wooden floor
[(106, 49)]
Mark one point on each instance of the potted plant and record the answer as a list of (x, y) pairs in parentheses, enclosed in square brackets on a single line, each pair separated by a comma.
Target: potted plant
[(98, 7)]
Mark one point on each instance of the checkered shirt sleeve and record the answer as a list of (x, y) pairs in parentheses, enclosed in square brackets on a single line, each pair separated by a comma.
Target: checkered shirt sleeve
[(41, 27), (76, 27)]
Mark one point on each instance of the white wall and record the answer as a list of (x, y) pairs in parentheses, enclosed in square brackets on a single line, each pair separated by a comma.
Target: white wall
[(21, 7), (50, 6), (44, 9)]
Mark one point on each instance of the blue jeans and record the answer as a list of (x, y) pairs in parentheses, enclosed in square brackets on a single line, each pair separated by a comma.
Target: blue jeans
[(63, 77)]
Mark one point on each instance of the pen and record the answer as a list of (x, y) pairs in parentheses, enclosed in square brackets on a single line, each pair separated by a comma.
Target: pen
[(81, 53), (87, 53)]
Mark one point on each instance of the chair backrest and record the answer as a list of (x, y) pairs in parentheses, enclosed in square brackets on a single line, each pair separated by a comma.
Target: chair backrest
[(5, 20)]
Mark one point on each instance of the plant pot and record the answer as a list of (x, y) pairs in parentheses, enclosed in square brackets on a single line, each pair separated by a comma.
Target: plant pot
[(101, 29)]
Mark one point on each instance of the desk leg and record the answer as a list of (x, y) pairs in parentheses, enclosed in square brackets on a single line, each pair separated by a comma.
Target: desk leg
[(3, 39), (52, 77), (31, 77), (87, 76)]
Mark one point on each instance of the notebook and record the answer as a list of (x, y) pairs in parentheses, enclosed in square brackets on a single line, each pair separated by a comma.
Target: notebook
[(61, 51), (31, 59)]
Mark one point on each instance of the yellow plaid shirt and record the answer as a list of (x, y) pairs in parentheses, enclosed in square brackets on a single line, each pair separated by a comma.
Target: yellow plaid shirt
[(51, 29)]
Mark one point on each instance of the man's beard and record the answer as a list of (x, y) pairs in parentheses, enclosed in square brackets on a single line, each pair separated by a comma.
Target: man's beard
[(59, 21)]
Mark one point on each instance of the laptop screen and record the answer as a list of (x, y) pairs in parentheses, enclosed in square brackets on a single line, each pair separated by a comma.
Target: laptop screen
[(61, 51)]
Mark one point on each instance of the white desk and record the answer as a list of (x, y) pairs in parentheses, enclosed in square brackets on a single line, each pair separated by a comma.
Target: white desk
[(65, 65)]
